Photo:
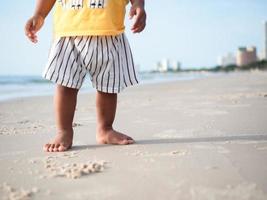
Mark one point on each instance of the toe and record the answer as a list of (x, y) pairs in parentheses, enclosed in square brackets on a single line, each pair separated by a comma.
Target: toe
[(46, 147), (51, 147), (56, 147), (123, 142), (62, 148), (131, 141), (129, 138)]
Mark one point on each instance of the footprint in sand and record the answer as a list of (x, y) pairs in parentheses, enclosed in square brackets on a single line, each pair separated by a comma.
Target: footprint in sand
[(242, 191), (261, 148), (74, 170), (180, 152), (222, 150)]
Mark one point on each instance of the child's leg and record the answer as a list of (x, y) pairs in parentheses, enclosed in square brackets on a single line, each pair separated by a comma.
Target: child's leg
[(65, 103), (106, 109)]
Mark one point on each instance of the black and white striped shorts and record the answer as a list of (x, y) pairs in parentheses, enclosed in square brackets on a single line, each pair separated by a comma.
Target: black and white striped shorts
[(107, 59)]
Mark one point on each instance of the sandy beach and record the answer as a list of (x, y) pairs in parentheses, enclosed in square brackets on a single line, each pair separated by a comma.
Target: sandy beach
[(195, 139)]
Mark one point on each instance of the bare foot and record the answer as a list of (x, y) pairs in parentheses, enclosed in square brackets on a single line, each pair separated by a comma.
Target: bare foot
[(110, 136), (62, 142)]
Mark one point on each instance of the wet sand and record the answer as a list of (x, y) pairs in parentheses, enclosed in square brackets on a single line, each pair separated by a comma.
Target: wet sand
[(197, 139)]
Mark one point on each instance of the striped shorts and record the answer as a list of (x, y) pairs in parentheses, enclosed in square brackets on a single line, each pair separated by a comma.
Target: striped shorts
[(107, 59)]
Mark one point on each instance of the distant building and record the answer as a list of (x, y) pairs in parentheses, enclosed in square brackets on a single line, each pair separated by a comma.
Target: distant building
[(246, 55), (261, 55), (175, 66), (163, 65), (227, 60), (265, 40), (166, 65)]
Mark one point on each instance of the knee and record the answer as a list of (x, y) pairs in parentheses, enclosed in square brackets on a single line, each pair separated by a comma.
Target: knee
[(66, 90)]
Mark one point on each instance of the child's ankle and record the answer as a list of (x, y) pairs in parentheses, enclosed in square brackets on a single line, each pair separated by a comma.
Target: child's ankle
[(104, 128), (65, 131)]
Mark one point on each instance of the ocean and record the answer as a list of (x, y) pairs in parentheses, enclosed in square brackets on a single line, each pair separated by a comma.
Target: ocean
[(12, 87)]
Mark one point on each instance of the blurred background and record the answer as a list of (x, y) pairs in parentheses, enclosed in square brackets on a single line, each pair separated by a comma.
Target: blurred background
[(183, 35)]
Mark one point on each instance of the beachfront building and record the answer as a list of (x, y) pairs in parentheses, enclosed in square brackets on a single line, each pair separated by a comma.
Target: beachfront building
[(175, 65), (228, 59), (165, 65), (262, 56), (246, 55), (265, 41), (263, 53)]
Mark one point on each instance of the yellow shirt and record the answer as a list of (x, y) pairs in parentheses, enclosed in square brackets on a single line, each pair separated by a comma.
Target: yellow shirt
[(89, 17)]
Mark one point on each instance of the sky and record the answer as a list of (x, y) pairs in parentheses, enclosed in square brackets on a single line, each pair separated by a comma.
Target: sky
[(192, 32)]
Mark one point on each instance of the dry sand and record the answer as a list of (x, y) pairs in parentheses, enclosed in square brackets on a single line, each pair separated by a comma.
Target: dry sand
[(197, 139)]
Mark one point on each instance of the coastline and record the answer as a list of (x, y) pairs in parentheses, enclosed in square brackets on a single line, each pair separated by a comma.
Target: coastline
[(16, 87), (200, 139)]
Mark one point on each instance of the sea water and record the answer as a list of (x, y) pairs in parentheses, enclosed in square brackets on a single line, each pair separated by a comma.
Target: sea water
[(12, 87)]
